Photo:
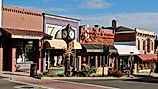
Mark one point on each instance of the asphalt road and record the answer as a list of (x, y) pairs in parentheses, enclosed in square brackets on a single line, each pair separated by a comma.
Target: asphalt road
[(122, 84), (6, 84)]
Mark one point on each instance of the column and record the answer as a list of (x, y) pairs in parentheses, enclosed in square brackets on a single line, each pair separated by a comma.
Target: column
[(89, 58), (100, 64), (96, 61), (80, 63), (13, 68), (55, 60), (40, 66), (1, 60)]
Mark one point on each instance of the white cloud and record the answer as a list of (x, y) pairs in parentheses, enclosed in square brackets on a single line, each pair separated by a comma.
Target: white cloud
[(95, 4), (133, 20), (55, 9)]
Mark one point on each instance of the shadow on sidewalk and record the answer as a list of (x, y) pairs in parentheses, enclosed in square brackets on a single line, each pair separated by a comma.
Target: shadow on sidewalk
[(148, 79), (16, 74)]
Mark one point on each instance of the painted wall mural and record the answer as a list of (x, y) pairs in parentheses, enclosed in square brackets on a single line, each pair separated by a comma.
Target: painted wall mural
[(95, 35)]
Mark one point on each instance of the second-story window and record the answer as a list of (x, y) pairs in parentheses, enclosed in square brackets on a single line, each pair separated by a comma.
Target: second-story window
[(138, 44), (152, 45), (144, 45)]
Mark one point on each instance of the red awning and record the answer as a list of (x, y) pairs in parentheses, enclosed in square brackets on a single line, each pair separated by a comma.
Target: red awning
[(148, 57), (28, 34)]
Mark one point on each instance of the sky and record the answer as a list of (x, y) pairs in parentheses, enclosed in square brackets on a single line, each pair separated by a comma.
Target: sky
[(128, 13)]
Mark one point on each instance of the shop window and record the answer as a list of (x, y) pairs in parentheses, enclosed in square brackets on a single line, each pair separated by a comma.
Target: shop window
[(25, 52)]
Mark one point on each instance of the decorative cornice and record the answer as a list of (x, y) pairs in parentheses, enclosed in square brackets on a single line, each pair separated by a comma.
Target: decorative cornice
[(21, 11)]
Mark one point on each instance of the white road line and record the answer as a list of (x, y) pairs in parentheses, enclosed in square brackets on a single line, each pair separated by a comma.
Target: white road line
[(99, 86)]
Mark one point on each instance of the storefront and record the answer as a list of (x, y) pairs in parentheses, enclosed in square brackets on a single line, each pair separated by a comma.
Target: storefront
[(21, 39), (127, 56), (55, 47), (97, 47)]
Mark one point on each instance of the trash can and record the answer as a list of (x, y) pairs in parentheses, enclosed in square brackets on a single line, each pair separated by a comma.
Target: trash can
[(33, 70)]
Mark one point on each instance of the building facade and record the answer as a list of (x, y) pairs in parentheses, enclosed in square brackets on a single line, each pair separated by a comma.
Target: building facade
[(93, 40), (143, 40), (53, 26), (21, 35)]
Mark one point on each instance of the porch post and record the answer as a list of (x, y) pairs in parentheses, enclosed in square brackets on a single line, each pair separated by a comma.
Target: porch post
[(96, 61), (13, 61), (1, 60)]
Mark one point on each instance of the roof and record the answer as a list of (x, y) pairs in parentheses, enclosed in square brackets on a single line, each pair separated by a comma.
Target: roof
[(122, 28), (21, 10), (20, 32), (126, 50), (148, 57), (97, 48)]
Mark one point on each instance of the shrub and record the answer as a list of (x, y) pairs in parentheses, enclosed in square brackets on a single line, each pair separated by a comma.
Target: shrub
[(87, 71), (115, 73)]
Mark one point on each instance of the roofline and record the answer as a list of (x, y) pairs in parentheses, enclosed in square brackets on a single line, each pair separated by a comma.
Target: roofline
[(62, 17)]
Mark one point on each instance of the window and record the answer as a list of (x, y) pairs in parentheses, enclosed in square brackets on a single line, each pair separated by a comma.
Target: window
[(144, 45), (138, 44), (148, 45), (152, 45)]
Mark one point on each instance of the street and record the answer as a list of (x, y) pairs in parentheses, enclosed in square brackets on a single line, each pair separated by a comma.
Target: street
[(122, 84), (6, 84)]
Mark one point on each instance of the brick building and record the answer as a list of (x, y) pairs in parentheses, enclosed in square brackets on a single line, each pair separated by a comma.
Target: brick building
[(22, 32), (93, 40), (143, 40)]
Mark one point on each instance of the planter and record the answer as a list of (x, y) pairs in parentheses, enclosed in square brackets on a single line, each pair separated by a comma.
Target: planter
[(56, 70)]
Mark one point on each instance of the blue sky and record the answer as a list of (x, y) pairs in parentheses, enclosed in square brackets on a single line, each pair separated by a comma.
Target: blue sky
[(129, 13)]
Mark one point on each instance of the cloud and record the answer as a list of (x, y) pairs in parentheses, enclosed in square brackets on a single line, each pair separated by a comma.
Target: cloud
[(133, 20), (95, 4), (55, 9)]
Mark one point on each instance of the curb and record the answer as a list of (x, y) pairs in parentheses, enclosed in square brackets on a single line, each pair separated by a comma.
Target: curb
[(82, 78)]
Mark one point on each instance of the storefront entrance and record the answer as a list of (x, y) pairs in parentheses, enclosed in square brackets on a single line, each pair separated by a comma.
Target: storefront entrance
[(19, 54)]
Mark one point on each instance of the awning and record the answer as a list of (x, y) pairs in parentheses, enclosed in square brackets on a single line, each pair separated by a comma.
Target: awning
[(93, 47), (55, 44), (98, 48), (148, 57), (25, 34), (77, 45), (125, 50)]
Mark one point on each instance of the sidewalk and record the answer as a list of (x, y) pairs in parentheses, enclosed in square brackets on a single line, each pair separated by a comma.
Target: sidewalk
[(155, 75), (48, 84), (57, 83)]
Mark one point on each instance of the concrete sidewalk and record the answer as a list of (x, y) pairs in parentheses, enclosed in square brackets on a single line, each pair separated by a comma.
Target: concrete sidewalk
[(147, 74), (48, 84)]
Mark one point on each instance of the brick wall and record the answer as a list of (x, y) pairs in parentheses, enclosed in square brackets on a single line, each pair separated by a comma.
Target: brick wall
[(123, 37), (22, 19)]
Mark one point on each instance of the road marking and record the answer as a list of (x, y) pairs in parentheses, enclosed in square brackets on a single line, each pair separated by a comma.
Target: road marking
[(99, 86)]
